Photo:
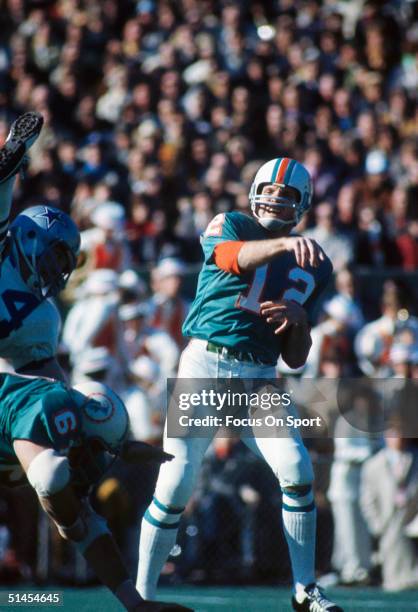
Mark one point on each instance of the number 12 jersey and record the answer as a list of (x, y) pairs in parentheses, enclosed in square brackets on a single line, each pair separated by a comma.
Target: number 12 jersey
[(226, 309)]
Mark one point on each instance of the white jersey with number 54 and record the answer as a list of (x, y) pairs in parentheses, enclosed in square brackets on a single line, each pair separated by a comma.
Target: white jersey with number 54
[(29, 328)]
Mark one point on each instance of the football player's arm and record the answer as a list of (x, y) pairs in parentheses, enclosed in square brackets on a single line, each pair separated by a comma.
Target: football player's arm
[(6, 192), (49, 474), (255, 253)]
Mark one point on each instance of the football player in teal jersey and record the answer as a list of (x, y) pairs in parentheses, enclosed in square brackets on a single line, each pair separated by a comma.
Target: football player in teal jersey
[(254, 301), (38, 252), (61, 441)]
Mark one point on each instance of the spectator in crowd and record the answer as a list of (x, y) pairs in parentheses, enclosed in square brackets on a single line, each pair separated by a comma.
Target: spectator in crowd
[(168, 308), (140, 338), (352, 447), (143, 401), (400, 359), (93, 321), (374, 247), (157, 109), (339, 321), (346, 289), (388, 496), (132, 288), (407, 243), (337, 246), (373, 342), (106, 242)]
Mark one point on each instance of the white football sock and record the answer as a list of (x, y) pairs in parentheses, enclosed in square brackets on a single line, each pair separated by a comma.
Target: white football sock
[(158, 535), (299, 521)]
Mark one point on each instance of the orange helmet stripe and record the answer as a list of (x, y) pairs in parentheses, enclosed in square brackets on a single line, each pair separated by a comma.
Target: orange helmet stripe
[(282, 170)]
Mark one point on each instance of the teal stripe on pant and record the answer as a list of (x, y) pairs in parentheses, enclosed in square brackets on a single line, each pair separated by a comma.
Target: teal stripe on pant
[(301, 491), (148, 517), (307, 508), (167, 509)]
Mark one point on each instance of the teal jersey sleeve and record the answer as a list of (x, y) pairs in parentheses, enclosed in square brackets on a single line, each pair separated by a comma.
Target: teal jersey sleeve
[(48, 415), (225, 227)]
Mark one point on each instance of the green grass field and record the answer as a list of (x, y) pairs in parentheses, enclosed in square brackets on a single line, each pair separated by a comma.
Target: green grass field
[(232, 599)]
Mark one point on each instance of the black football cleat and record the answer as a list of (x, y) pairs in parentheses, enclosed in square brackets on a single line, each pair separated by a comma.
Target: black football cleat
[(314, 601), (23, 133)]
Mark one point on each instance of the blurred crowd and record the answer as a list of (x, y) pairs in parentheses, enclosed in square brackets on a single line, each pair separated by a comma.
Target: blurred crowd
[(168, 108), (157, 115)]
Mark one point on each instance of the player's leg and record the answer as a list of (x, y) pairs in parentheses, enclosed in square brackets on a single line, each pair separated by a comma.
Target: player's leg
[(351, 554), (23, 133), (6, 197), (174, 486), (290, 462), (161, 520)]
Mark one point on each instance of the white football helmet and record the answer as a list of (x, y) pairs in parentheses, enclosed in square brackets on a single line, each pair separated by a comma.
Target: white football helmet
[(285, 172), (104, 416)]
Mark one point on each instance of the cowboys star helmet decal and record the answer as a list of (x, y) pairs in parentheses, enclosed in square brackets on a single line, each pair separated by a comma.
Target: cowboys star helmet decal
[(51, 216)]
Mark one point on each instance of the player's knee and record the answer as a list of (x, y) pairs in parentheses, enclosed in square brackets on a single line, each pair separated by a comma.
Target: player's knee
[(297, 470), (48, 472), (304, 472), (298, 498), (297, 486)]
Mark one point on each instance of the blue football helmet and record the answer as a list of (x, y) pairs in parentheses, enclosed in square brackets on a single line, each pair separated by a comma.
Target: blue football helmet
[(48, 241), (285, 172)]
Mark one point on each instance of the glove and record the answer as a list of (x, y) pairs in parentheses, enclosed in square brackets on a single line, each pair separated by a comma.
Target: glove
[(134, 451), (75, 532), (78, 530)]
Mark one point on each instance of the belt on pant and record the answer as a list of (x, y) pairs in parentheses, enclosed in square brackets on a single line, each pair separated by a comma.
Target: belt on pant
[(226, 351)]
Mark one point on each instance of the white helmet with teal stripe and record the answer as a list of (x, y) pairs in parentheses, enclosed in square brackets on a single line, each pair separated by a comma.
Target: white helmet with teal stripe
[(284, 172)]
